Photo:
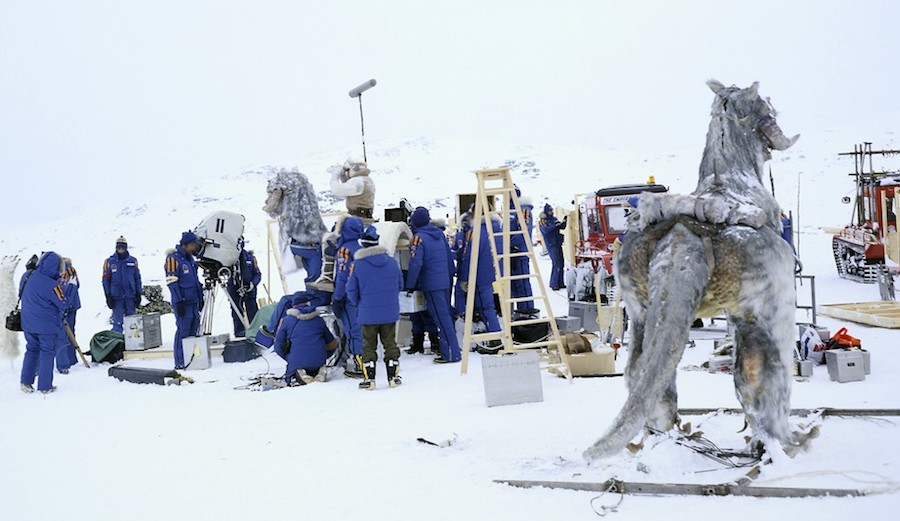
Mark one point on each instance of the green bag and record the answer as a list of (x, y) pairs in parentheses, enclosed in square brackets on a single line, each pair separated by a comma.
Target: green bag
[(108, 346)]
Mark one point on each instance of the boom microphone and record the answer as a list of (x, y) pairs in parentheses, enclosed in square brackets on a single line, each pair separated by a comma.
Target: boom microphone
[(355, 93)]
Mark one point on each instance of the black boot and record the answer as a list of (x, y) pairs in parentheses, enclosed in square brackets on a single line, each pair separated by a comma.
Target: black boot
[(354, 367), (368, 382), (418, 344), (435, 341), (393, 373)]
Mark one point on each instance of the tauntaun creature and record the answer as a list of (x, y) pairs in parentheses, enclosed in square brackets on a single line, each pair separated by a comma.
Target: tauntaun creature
[(9, 340), (719, 248), (292, 201)]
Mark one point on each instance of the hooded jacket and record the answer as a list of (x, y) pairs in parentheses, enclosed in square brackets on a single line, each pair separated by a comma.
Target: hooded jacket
[(374, 286), (43, 301), (246, 273), (349, 231), (182, 278), (121, 277), (309, 336), (485, 261), (430, 261), (550, 229)]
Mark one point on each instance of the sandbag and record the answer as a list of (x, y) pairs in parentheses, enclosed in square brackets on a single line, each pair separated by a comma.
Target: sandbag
[(240, 351), (108, 346), (141, 375)]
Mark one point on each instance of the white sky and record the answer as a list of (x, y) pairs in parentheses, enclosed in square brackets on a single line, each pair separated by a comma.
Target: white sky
[(103, 96)]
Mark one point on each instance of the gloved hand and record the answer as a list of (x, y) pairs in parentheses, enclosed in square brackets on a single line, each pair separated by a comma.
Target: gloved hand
[(110, 303), (137, 300), (464, 285), (179, 308), (250, 287)]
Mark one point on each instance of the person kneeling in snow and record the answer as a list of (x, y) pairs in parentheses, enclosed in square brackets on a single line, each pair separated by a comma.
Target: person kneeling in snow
[(374, 287), (304, 342)]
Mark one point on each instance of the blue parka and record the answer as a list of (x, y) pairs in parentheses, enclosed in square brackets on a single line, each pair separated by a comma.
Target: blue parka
[(374, 286), (43, 300), (182, 278), (430, 261), (348, 242), (122, 277), (550, 227), (486, 273), (309, 336), (247, 272)]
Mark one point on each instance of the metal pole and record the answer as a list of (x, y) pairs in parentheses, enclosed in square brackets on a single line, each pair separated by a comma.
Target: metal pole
[(362, 128)]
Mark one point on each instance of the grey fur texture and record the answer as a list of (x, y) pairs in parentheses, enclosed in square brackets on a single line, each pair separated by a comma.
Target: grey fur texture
[(292, 200), (695, 255), (9, 340)]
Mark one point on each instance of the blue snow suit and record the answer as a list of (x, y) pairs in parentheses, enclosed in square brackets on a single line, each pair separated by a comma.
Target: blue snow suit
[(553, 239), (43, 306), (122, 285), (242, 288), (309, 339), (65, 352), (348, 242), (187, 298), (310, 256), (484, 281), (431, 271), (459, 249), (519, 288), (528, 210), (374, 286)]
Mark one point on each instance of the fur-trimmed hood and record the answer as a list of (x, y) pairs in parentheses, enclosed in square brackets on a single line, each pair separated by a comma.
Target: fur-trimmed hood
[(369, 252), (301, 315)]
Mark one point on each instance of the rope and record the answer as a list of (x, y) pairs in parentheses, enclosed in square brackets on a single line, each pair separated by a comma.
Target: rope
[(607, 509)]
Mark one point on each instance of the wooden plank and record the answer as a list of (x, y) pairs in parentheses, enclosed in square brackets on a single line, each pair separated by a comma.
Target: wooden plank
[(825, 411), (616, 486), (880, 314)]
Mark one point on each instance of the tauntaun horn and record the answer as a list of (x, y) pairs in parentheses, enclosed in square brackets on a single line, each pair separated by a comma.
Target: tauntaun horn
[(773, 134)]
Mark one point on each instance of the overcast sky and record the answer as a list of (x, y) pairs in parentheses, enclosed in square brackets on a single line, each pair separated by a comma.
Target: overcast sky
[(100, 97)]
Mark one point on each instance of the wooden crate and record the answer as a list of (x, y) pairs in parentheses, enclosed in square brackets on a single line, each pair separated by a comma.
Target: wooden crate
[(878, 314)]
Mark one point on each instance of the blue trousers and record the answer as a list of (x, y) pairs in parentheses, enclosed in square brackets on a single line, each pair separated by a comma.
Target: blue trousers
[(40, 348), (556, 271), (484, 304), (185, 326), (459, 299), (438, 302), (422, 322), (350, 326), (521, 287), (65, 350), (247, 303), (311, 258), (121, 308)]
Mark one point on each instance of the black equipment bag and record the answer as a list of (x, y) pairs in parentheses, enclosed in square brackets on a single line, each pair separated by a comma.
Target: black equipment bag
[(529, 333), (141, 375), (14, 320), (240, 351)]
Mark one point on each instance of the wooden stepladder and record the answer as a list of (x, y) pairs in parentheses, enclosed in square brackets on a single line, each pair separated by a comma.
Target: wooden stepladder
[(498, 182)]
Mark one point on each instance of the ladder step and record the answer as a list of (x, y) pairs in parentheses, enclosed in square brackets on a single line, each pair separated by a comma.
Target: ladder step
[(542, 320), (493, 234), (532, 345), (494, 335), (514, 300), (498, 191), (519, 277), (513, 255)]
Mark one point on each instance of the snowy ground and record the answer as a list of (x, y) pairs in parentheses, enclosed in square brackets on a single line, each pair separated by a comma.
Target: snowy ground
[(101, 449)]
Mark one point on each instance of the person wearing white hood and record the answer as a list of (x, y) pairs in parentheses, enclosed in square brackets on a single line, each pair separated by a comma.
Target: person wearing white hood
[(352, 181)]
